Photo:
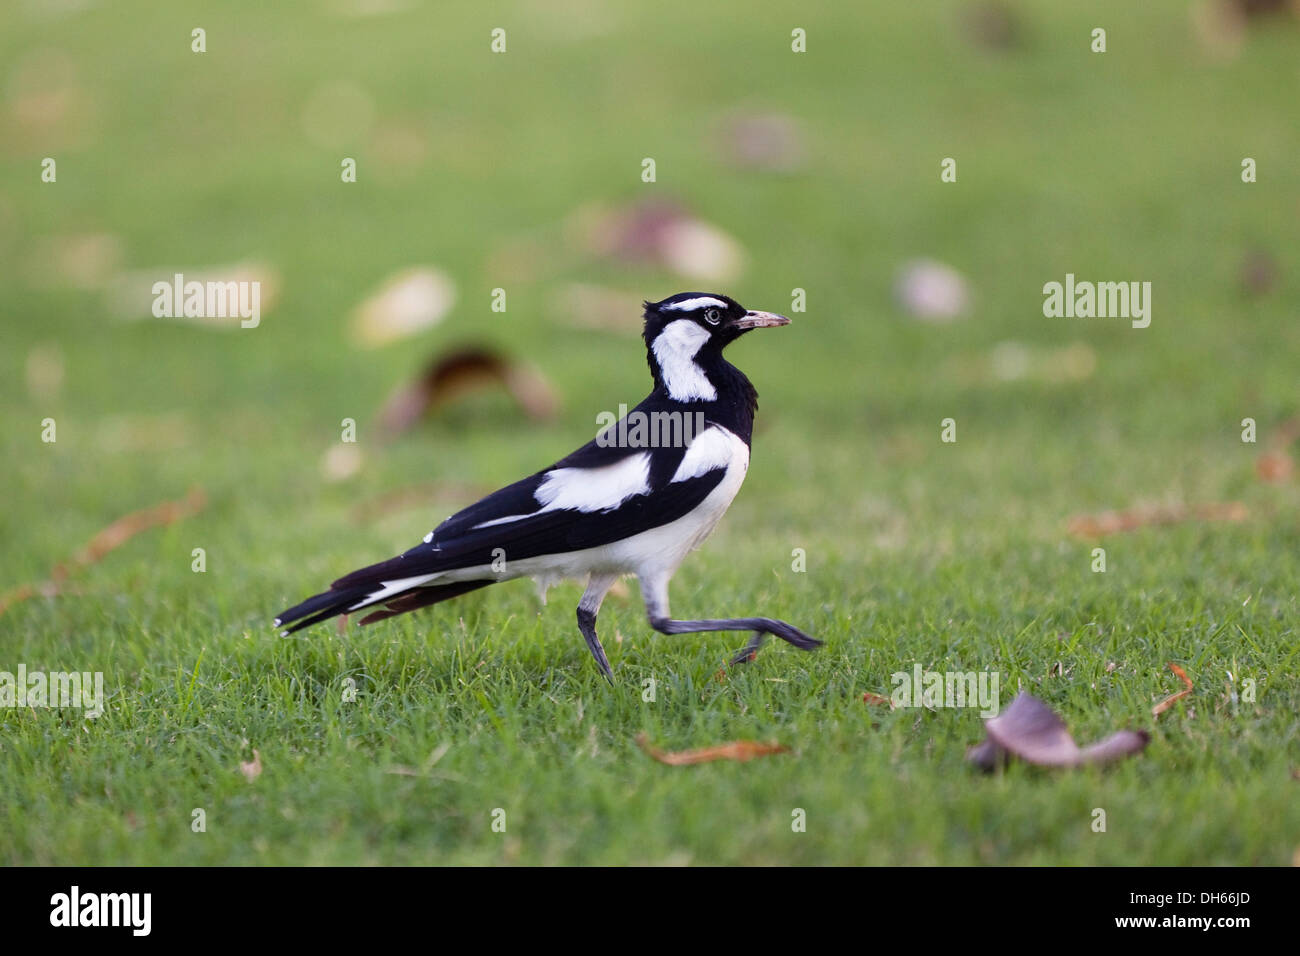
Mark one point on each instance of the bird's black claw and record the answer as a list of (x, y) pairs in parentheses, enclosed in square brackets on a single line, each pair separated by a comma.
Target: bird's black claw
[(749, 651), (598, 652)]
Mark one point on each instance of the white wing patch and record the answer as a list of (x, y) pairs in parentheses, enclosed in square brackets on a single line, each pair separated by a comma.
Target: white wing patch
[(713, 448), (588, 489), (675, 348), (702, 302), (595, 489)]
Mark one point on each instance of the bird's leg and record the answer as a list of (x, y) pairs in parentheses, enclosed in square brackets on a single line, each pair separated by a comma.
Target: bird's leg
[(597, 586), (655, 594)]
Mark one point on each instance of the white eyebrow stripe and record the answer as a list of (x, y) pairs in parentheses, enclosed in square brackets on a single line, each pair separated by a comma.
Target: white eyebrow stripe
[(700, 302)]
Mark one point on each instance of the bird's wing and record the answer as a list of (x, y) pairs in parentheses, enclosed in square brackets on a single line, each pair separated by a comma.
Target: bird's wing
[(597, 495)]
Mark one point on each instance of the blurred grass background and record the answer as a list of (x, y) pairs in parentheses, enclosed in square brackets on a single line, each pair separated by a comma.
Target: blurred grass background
[(1116, 166)]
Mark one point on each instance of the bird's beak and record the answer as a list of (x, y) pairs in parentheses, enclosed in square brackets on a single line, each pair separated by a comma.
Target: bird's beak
[(760, 320)]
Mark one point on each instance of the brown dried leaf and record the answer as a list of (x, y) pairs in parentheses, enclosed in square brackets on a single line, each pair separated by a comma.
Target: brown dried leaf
[(458, 372), (739, 750), (1113, 522), (1169, 701), (1032, 731), (114, 536), (1274, 467), (877, 700), (1275, 464), (128, 526)]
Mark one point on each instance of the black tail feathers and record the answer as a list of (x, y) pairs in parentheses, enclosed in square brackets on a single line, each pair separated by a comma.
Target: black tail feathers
[(336, 601)]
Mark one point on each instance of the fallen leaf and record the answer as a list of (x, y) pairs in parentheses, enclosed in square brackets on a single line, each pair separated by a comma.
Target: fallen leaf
[(1112, 522), (877, 699), (408, 302), (1275, 464), (252, 770), (1032, 731), (128, 526), (1168, 702), (466, 369), (739, 750), (1274, 467), (114, 536)]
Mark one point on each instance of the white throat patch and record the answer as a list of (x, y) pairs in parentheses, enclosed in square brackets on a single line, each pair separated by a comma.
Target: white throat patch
[(675, 349)]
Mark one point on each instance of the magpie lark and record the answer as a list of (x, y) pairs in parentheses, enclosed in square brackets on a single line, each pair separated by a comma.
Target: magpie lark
[(610, 508)]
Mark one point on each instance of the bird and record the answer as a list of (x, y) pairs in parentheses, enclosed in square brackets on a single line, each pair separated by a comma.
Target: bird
[(636, 500)]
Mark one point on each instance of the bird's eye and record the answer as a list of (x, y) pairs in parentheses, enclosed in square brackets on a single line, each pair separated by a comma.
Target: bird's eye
[(712, 316)]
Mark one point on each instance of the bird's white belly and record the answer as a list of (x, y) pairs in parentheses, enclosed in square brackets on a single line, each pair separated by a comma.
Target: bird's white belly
[(657, 551)]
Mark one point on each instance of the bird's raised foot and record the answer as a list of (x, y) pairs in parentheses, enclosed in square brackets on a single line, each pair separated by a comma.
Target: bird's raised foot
[(749, 651)]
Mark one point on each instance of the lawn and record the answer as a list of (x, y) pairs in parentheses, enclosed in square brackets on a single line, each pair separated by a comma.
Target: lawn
[(1123, 165)]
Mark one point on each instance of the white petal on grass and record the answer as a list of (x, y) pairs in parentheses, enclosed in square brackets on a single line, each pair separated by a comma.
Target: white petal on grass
[(932, 291), (341, 462)]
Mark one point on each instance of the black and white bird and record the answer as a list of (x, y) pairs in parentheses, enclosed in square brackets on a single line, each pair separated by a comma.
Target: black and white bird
[(623, 503)]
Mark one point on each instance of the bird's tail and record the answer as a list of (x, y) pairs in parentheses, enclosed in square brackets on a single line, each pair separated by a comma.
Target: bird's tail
[(337, 600)]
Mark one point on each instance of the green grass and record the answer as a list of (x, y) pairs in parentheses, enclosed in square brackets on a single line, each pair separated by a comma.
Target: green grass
[(1116, 166)]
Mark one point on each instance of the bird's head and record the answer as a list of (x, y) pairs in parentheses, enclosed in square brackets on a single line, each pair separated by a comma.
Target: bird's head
[(685, 335), (706, 319)]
